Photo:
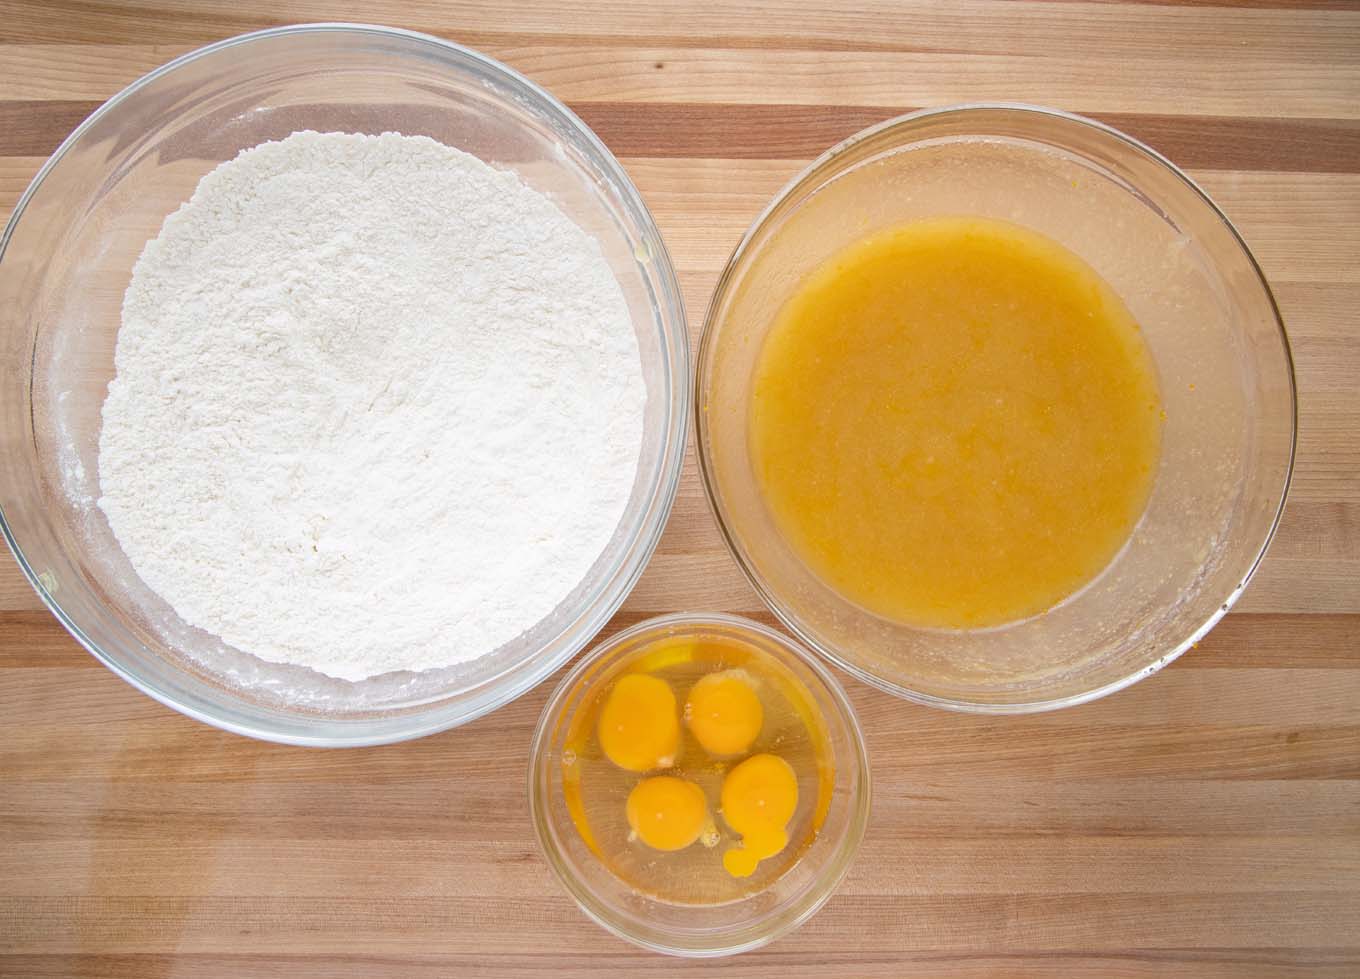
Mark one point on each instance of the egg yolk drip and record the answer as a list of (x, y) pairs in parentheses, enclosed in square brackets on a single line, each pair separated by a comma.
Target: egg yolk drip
[(667, 813), (724, 713), (639, 725), (759, 797)]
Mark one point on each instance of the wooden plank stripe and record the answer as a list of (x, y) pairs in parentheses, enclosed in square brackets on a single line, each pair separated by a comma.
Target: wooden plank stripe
[(358, 809), (1282, 82), (149, 865), (959, 26), (1287, 5), (613, 959), (800, 131), (35, 640), (348, 922), (723, 131), (37, 128)]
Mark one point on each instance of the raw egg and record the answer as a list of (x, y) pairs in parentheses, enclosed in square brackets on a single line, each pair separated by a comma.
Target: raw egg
[(639, 726), (650, 743), (759, 797), (667, 813), (724, 712)]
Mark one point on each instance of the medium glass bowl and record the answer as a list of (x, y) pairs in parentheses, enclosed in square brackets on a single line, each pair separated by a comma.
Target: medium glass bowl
[(700, 930), (65, 262), (1216, 338)]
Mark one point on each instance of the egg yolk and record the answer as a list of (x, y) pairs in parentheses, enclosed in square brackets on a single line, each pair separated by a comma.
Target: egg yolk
[(759, 797), (667, 813), (724, 713), (639, 727)]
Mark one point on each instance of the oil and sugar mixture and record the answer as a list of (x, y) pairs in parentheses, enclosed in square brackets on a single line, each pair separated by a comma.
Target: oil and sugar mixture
[(956, 423), (699, 769)]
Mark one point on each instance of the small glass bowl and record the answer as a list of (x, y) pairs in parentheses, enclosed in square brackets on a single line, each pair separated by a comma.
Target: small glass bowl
[(1210, 323), (689, 929), (65, 261)]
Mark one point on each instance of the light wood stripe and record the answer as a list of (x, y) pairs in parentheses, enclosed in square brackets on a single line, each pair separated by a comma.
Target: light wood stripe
[(1286, 84), (30, 639), (1109, 30), (1177, 737), (1003, 808), (947, 866), (455, 924)]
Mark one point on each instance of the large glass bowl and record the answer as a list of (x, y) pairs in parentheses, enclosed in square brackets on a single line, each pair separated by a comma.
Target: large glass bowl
[(66, 260), (1210, 322)]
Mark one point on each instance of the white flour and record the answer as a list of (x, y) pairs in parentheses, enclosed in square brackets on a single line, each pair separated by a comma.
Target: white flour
[(378, 406)]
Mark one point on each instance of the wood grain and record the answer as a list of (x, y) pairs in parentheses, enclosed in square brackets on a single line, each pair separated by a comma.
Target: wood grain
[(1205, 822)]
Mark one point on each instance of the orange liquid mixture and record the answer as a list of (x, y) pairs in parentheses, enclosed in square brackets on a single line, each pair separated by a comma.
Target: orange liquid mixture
[(955, 423)]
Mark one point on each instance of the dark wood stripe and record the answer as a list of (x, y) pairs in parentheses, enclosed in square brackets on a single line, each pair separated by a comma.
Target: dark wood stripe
[(802, 131), (36, 639), (795, 132), (85, 22), (37, 128), (1277, 641)]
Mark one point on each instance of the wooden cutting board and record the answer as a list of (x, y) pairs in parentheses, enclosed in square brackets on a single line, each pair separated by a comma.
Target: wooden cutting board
[(1205, 821)]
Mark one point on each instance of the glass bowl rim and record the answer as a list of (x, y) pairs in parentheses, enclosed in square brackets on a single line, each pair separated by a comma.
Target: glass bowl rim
[(812, 173), (772, 926), (422, 720)]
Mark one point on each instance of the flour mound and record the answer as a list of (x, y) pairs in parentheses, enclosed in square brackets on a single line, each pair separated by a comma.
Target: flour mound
[(378, 406)]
